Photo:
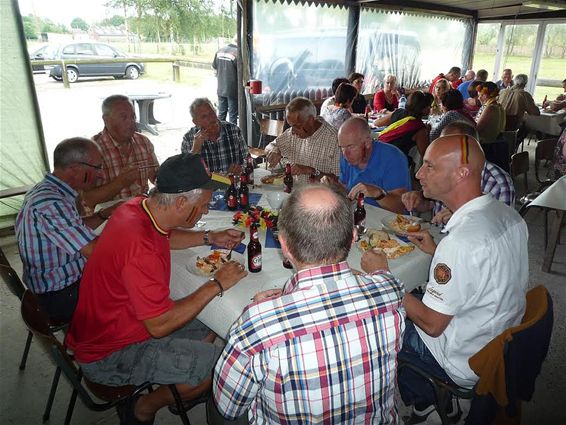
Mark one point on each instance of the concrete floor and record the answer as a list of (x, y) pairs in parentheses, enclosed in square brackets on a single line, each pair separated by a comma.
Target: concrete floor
[(23, 393)]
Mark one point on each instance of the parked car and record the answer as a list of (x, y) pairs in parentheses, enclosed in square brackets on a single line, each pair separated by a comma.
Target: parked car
[(93, 50), (44, 52)]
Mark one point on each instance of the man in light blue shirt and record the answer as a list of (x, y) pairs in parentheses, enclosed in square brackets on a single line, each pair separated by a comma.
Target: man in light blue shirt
[(463, 88), (379, 170)]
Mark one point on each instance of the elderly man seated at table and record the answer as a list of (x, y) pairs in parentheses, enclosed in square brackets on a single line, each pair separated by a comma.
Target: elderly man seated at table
[(54, 241), (310, 144), (322, 350), (220, 143), (517, 102), (378, 170), (129, 161), (463, 88), (560, 101), (124, 310), (506, 80), (478, 275), (494, 181)]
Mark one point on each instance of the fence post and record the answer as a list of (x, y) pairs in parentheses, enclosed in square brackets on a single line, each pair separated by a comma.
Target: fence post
[(64, 75), (176, 72)]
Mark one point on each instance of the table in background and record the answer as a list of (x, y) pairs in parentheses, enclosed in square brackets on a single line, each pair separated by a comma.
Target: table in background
[(547, 122), (145, 107), (221, 312)]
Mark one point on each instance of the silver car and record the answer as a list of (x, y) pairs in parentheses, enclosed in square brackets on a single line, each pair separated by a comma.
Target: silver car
[(93, 50)]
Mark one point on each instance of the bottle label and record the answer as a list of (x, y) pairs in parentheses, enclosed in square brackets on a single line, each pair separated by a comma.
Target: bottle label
[(243, 199), (232, 201), (256, 262)]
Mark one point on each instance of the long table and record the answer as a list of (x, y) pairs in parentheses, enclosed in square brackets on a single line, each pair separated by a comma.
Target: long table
[(547, 122), (220, 313)]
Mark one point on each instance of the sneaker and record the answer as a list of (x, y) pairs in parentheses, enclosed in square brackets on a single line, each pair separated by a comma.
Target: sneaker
[(418, 416)]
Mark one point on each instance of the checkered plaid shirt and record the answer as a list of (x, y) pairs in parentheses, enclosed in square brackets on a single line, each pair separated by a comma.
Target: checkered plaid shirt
[(323, 352), (319, 151), (494, 180), (50, 235), (230, 147), (141, 154)]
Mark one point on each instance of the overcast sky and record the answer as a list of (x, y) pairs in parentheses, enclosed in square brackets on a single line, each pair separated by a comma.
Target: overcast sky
[(64, 11)]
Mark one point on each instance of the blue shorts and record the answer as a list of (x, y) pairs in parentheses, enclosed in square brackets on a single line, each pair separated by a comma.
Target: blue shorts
[(179, 358)]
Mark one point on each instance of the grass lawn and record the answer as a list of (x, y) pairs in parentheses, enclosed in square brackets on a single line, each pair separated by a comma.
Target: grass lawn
[(551, 68)]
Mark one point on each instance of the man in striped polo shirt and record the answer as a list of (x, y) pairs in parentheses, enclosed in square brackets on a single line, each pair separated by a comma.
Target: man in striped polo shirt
[(53, 239)]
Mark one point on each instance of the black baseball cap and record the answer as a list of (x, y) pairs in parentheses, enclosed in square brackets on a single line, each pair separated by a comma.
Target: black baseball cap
[(183, 173)]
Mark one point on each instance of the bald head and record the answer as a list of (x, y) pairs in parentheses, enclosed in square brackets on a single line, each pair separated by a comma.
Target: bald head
[(356, 127), (451, 171), (354, 139), (316, 224)]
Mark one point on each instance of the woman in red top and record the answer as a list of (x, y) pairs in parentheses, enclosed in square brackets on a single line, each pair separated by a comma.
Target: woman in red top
[(388, 98)]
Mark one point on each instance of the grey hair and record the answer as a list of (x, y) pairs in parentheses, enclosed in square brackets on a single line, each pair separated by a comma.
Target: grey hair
[(303, 106), (168, 199), (197, 103), (72, 151), (521, 80), (320, 234), (108, 103)]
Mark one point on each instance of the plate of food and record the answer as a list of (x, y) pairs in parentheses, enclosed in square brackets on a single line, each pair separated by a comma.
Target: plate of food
[(404, 224), (392, 248), (207, 265), (273, 179)]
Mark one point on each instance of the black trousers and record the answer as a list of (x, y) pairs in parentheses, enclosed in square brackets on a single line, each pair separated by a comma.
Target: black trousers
[(60, 305)]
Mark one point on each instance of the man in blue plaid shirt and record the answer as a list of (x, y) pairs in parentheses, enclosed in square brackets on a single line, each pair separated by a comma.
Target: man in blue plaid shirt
[(323, 349), (219, 143)]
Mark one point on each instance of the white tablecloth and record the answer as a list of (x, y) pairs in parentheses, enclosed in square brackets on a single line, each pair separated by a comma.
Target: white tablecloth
[(220, 313), (554, 197), (547, 122)]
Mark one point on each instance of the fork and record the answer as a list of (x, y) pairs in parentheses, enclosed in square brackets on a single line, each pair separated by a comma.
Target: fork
[(229, 256)]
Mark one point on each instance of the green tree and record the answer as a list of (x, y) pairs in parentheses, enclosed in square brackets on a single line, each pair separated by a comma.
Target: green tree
[(114, 21), (80, 24), (47, 25), (29, 27)]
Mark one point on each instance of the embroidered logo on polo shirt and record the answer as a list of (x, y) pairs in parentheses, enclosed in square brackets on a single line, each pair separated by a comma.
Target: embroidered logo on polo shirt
[(442, 273)]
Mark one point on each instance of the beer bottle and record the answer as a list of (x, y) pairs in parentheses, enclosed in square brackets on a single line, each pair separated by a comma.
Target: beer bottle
[(288, 179), (368, 112), (360, 212), (254, 250), (244, 192), (250, 169), (231, 195), (287, 264)]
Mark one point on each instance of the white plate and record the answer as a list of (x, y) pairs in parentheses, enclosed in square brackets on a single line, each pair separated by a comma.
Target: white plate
[(191, 263), (386, 222)]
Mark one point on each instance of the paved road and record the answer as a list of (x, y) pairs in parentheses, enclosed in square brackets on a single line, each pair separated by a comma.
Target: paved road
[(76, 111)]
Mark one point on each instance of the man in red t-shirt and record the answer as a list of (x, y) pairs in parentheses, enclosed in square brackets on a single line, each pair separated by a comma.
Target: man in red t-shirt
[(126, 329), (453, 76)]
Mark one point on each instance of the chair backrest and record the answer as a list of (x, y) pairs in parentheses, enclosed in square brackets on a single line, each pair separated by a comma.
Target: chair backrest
[(35, 318), (511, 139), (544, 151), (520, 165), (10, 277), (270, 127), (526, 352)]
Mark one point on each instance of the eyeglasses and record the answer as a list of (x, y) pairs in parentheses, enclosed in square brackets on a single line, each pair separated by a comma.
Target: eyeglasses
[(96, 167)]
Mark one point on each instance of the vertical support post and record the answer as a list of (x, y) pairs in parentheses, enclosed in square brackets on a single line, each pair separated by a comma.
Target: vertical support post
[(352, 38), (64, 75)]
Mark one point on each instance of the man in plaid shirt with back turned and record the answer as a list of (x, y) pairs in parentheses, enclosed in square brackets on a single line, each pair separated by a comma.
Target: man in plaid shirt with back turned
[(323, 349)]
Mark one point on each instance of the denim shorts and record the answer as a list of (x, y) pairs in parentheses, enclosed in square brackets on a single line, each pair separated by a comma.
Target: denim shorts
[(179, 358)]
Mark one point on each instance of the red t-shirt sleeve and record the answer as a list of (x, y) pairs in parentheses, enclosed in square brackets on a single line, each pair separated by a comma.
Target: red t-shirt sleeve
[(146, 279)]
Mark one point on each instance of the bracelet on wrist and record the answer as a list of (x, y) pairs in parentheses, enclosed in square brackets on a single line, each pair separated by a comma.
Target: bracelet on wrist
[(213, 279), (206, 238), (382, 195), (101, 216)]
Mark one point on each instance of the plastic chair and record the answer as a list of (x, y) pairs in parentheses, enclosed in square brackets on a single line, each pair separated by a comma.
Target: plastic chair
[(523, 356), (520, 166), (15, 285), (37, 321)]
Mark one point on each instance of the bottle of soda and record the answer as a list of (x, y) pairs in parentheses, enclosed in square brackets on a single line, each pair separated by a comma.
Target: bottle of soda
[(360, 212), (254, 250), (288, 179), (244, 192), (231, 195), (250, 169)]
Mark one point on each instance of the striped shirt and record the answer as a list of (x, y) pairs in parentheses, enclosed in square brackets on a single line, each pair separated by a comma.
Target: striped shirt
[(323, 352), (139, 153), (495, 181), (230, 147), (319, 151), (50, 234)]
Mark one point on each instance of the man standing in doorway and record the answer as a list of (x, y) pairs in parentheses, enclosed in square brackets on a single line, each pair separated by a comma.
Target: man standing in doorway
[(225, 65)]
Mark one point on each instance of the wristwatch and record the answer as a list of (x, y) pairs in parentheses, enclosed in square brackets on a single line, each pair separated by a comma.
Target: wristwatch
[(205, 237), (316, 172), (382, 195)]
